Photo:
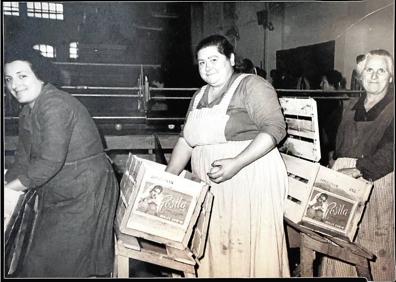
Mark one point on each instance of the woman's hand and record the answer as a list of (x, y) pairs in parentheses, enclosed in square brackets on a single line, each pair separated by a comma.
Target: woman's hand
[(351, 171), (223, 170), (181, 154)]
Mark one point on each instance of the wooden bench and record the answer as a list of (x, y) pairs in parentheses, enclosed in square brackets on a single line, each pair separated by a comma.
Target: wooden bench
[(313, 242), (159, 254)]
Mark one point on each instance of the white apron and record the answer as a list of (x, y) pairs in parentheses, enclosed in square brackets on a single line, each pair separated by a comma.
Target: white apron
[(246, 236), (376, 230)]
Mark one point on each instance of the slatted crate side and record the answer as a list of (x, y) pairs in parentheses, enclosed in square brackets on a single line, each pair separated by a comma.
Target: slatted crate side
[(301, 148), (301, 175), (302, 128), (198, 240), (298, 106)]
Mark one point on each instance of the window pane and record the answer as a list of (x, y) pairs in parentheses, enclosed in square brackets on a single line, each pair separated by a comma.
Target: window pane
[(46, 50), (73, 50), (11, 8), (46, 10)]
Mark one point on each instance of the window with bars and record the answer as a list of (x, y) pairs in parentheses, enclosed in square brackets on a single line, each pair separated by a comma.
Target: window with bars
[(45, 10), (73, 50), (46, 50), (11, 8)]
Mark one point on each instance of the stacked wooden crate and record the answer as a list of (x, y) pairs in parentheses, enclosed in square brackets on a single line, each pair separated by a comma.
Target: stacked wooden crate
[(308, 180)]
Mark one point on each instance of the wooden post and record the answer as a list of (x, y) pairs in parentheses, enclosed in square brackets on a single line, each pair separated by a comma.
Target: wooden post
[(307, 257)]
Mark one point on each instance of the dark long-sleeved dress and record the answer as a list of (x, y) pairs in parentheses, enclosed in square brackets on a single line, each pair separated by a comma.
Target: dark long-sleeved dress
[(60, 155), (365, 140)]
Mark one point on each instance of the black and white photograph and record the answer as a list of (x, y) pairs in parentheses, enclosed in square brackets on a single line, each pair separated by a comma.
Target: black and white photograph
[(198, 139)]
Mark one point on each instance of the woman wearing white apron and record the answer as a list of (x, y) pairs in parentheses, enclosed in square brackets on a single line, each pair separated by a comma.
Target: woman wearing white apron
[(364, 148), (233, 126)]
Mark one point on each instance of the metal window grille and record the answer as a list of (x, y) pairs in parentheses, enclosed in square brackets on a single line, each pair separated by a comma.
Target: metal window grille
[(46, 50), (73, 50), (45, 10), (11, 8)]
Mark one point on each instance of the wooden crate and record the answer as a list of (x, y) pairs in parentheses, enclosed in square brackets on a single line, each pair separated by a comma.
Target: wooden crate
[(308, 180), (182, 214)]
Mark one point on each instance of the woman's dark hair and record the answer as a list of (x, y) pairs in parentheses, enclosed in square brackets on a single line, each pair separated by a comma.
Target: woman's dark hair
[(42, 67), (246, 66), (335, 78), (223, 45)]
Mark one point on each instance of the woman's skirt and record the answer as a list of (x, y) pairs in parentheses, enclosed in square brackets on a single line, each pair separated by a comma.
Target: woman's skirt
[(246, 236)]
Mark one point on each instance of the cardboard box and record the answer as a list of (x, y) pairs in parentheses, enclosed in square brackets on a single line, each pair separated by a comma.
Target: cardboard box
[(159, 206), (336, 203)]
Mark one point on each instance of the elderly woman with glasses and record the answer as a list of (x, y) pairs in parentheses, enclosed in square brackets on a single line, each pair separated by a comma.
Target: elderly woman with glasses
[(364, 148)]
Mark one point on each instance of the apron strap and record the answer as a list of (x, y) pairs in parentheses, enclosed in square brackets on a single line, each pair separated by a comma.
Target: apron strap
[(226, 98), (230, 92), (199, 97)]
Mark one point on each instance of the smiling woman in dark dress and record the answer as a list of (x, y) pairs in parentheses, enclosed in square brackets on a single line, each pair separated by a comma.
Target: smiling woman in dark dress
[(364, 148), (60, 157)]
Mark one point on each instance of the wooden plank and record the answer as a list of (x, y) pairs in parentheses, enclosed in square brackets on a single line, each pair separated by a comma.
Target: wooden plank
[(305, 134), (129, 242), (298, 190), (168, 141), (301, 175), (201, 228), (155, 258), (298, 106), (301, 117), (122, 266), (131, 142), (307, 257), (302, 168), (294, 211), (126, 142), (184, 256), (301, 148), (334, 251)]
